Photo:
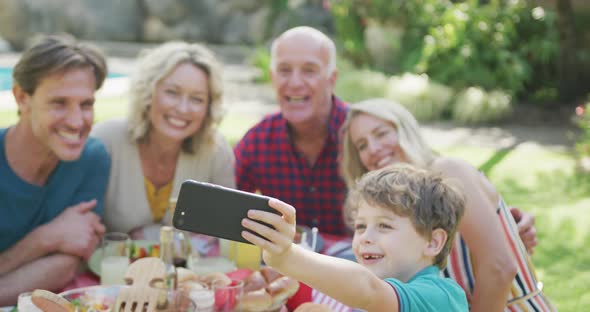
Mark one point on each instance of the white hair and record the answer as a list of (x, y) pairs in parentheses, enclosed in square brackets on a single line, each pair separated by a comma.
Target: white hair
[(319, 36)]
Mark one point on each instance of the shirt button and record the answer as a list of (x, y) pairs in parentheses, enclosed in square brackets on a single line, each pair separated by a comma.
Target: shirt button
[(312, 189)]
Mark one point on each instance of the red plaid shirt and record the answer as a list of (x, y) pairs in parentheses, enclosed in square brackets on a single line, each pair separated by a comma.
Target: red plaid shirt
[(267, 161)]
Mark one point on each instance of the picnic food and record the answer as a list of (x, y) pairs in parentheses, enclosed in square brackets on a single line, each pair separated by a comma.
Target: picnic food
[(256, 300), (260, 286), (50, 302), (313, 307), (136, 251), (264, 290)]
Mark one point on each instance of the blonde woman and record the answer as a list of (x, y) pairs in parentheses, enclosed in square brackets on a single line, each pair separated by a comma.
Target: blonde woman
[(169, 136), (488, 259)]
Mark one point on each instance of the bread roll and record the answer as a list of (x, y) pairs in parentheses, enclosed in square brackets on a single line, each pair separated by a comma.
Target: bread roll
[(215, 279), (50, 302), (254, 281), (270, 274), (256, 301), (282, 288), (313, 307), (189, 286), (183, 275)]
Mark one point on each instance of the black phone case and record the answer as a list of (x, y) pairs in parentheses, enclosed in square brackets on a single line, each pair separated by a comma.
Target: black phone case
[(215, 210)]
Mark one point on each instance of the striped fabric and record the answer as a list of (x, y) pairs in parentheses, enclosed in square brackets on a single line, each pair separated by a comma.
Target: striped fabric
[(525, 292), (335, 305)]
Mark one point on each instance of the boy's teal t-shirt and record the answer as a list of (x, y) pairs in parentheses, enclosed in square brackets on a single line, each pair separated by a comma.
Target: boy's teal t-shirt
[(428, 291), (24, 206)]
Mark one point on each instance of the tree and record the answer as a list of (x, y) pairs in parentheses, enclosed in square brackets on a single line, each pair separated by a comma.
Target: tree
[(569, 87)]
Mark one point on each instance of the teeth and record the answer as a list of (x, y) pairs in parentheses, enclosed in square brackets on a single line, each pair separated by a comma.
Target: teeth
[(296, 98), (177, 122), (372, 257), (69, 136)]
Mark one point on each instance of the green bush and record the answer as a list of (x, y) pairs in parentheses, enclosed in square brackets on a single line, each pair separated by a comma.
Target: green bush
[(261, 60), (357, 85), (508, 45), (475, 105), (424, 98), (495, 46)]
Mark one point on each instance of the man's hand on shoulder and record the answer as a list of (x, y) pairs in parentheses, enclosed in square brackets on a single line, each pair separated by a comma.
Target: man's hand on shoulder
[(77, 230)]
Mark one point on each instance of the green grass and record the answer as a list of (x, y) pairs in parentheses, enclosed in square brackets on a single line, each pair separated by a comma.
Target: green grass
[(536, 179), (543, 182)]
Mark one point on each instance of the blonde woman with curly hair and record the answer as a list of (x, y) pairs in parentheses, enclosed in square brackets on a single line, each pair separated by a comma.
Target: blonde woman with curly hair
[(488, 260), (169, 136)]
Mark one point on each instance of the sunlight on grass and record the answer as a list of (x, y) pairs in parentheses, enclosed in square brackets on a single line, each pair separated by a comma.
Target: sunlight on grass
[(473, 155), (106, 108), (543, 182), (8, 118), (234, 126)]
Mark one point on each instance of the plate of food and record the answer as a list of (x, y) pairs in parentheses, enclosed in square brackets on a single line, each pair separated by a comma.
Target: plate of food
[(137, 249), (103, 298), (264, 290)]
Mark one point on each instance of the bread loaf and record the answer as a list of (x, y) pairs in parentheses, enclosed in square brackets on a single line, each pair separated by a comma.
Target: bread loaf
[(282, 289), (313, 307), (256, 300)]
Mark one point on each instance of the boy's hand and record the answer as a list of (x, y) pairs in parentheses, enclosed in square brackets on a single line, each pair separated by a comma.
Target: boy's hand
[(276, 242)]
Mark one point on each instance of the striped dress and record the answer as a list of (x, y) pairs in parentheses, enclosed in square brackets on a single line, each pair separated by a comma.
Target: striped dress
[(525, 293)]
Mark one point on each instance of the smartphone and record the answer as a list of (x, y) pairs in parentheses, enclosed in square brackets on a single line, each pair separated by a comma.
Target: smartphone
[(215, 210)]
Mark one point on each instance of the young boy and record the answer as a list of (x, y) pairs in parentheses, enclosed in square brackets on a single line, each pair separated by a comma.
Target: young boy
[(404, 222)]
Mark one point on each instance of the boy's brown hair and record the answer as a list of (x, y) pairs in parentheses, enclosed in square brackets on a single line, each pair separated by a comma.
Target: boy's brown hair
[(428, 199)]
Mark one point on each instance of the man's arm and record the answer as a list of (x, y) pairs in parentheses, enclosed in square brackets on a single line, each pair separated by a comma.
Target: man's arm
[(344, 280), (35, 245), (76, 232), (52, 273)]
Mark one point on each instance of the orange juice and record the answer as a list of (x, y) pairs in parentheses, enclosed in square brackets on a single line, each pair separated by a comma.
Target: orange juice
[(245, 256)]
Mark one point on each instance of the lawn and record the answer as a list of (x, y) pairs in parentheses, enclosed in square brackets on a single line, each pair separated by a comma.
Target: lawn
[(543, 182), (534, 178)]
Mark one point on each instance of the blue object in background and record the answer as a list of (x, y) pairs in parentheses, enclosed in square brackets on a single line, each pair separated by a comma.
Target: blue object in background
[(6, 78)]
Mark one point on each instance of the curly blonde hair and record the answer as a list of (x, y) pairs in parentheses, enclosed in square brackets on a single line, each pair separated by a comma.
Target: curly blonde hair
[(155, 64), (411, 141)]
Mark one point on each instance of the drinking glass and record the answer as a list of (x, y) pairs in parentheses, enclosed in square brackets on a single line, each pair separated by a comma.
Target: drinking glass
[(115, 258), (245, 256), (227, 297)]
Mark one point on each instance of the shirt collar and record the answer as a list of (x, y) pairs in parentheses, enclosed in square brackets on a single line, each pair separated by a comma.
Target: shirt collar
[(429, 270)]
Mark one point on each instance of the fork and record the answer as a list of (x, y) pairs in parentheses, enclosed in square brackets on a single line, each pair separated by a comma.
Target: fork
[(144, 275)]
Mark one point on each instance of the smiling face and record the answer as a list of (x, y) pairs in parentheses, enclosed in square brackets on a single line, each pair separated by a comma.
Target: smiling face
[(180, 103), (376, 141), (388, 244), (61, 111), (301, 78)]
